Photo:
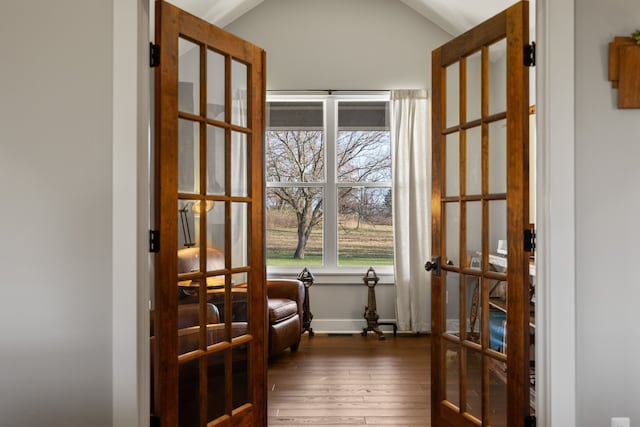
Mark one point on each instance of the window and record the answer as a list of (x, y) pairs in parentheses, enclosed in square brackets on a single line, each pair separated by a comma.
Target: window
[(328, 173)]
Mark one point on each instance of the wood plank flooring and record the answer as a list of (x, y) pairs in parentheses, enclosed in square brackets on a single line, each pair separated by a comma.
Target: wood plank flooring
[(352, 380)]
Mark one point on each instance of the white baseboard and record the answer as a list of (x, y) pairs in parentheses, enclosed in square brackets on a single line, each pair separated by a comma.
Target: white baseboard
[(345, 326), (453, 325)]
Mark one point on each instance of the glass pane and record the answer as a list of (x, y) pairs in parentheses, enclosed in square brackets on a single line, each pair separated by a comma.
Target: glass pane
[(215, 235), (215, 310), (452, 303), (498, 77), (241, 378), (473, 310), (295, 156), (474, 86), (189, 394), (452, 147), (215, 261), (215, 85), (215, 160), (365, 233), (240, 280), (497, 317), (188, 328), (452, 218), (363, 115), (363, 152), (363, 156), (474, 383), (239, 235), (188, 232), (216, 390), (239, 311), (215, 283), (188, 289), (474, 161), (532, 168), (452, 95), (188, 315), (297, 115), (215, 296), (288, 208), (188, 77), (498, 157), (497, 393), (452, 363), (239, 162), (474, 231), (239, 93), (498, 235), (188, 156)]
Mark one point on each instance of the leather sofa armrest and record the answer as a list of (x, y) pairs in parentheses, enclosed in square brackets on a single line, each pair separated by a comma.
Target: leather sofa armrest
[(189, 315), (292, 289)]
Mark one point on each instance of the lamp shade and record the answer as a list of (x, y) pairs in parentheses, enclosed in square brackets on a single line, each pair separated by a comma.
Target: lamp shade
[(197, 206)]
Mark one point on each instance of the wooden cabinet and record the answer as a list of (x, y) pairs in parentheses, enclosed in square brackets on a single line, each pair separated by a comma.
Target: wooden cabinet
[(624, 63)]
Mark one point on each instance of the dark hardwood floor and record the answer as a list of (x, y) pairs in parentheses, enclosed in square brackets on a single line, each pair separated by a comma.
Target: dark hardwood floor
[(352, 380)]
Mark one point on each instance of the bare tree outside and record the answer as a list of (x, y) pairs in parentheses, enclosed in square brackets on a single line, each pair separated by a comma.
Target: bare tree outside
[(363, 156), (296, 166), (297, 156)]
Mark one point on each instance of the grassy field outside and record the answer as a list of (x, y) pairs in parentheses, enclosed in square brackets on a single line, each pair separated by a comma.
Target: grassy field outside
[(367, 245), (281, 244), (370, 244)]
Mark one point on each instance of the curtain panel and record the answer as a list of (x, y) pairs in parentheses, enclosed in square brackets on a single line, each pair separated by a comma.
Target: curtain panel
[(411, 140)]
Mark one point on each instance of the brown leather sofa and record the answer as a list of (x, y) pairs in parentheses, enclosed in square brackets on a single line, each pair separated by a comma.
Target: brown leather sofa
[(284, 303), (189, 373), (285, 299)]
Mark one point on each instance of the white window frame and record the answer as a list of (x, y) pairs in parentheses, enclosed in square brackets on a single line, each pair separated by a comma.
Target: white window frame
[(330, 272)]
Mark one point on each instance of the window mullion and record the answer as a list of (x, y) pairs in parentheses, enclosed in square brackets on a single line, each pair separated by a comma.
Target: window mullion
[(330, 192)]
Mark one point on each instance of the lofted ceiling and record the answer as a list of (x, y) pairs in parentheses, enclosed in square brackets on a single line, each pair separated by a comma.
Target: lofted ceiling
[(453, 16)]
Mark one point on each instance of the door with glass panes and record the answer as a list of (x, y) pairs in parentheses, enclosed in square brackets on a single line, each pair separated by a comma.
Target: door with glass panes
[(209, 306), (480, 271)]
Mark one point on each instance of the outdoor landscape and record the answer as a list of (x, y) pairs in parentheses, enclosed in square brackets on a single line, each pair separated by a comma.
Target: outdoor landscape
[(366, 245), (305, 199)]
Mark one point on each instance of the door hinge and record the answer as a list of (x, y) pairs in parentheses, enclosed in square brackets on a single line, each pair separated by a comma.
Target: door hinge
[(155, 421), (530, 240), (530, 421), (530, 54), (154, 55), (154, 241)]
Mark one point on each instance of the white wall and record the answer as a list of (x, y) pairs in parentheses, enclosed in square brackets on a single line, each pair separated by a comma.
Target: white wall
[(607, 206), (349, 45), (340, 308), (56, 216), (338, 44)]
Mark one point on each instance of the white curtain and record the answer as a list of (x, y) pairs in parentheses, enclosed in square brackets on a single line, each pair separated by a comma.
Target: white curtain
[(239, 179), (411, 139)]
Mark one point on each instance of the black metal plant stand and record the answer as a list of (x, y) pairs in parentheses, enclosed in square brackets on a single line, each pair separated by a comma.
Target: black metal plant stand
[(307, 280), (370, 311)]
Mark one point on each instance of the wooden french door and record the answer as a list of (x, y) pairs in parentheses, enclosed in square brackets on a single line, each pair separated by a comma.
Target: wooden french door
[(480, 271), (209, 304)]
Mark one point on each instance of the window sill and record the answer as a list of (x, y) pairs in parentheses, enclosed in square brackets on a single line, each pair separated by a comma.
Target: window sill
[(334, 277)]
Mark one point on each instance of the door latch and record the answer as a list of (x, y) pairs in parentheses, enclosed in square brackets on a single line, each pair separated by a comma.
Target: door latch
[(434, 265)]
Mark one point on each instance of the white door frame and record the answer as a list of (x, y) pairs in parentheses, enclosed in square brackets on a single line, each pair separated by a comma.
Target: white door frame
[(130, 270), (555, 212)]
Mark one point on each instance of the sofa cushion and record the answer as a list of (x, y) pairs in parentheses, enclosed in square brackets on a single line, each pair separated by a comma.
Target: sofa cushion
[(284, 334), (281, 309)]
